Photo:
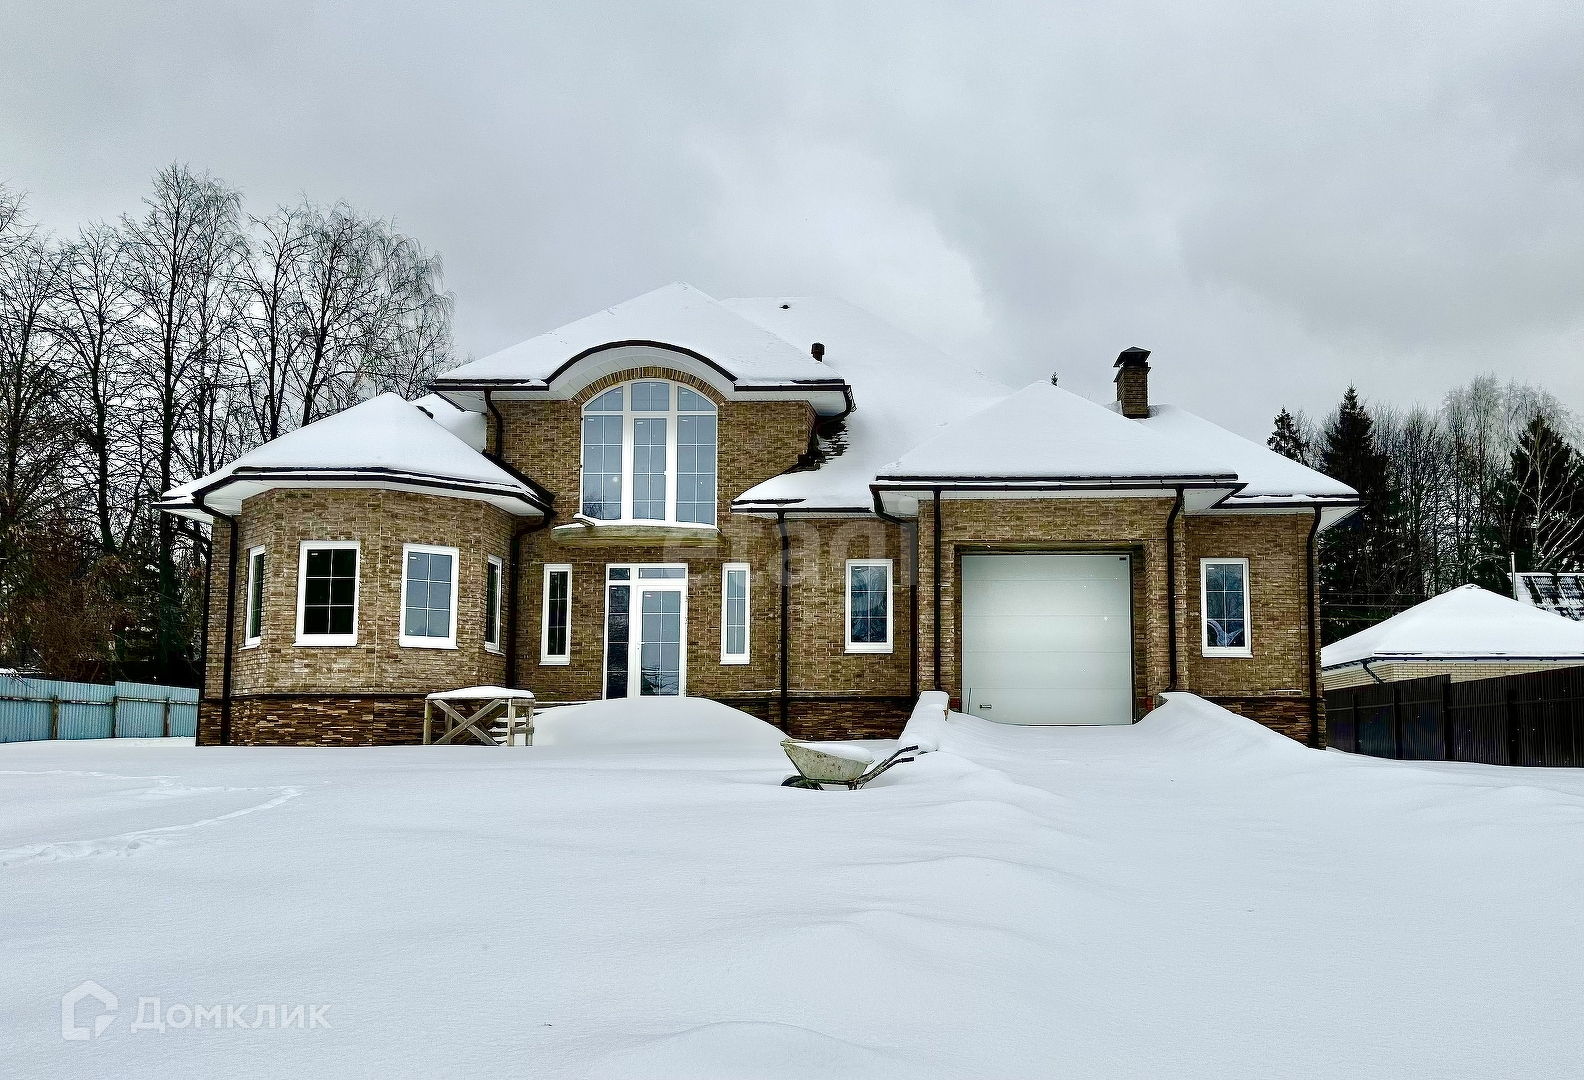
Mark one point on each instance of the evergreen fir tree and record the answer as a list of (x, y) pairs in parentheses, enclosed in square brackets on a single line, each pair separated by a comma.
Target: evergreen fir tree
[(1288, 438), (1356, 559)]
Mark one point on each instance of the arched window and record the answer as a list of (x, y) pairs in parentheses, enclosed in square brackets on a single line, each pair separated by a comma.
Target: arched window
[(649, 454)]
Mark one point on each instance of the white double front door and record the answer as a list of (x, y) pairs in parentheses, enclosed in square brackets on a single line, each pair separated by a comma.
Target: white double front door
[(646, 631), (1047, 639)]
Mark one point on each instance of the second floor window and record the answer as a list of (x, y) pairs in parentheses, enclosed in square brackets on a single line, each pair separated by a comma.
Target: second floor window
[(649, 454)]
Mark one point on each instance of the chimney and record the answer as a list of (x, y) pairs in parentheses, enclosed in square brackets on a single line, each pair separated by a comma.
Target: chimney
[(1132, 382), (817, 350)]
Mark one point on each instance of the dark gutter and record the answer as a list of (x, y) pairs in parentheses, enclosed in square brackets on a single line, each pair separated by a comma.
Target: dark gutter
[(1171, 586), (910, 536), (936, 586), (1378, 680), (1314, 651), (786, 606), (537, 497), (1036, 483), (230, 632)]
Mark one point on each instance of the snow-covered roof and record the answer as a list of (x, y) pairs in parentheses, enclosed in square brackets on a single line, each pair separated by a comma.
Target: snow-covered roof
[(904, 390), (1467, 623), (1043, 433), (382, 443), (1269, 479), (678, 318), (471, 427)]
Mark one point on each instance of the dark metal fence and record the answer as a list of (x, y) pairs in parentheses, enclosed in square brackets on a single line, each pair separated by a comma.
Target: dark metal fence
[(1533, 719)]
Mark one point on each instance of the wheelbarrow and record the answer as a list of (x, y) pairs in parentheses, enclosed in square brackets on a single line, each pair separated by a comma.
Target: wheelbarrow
[(816, 768)]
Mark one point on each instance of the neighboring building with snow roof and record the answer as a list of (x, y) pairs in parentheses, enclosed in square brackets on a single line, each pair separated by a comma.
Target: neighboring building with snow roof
[(782, 503), (1561, 594), (1467, 633)]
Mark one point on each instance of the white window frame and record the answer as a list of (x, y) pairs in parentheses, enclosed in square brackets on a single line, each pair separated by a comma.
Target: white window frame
[(673, 430), (500, 588), (728, 569), (429, 642), (328, 640), (249, 609), (847, 578), (546, 658), (1244, 651)]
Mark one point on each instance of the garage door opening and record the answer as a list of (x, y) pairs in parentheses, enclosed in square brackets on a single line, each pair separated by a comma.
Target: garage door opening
[(1048, 639)]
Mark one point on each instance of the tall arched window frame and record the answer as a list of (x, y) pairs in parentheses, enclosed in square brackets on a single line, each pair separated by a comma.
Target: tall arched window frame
[(649, 454)]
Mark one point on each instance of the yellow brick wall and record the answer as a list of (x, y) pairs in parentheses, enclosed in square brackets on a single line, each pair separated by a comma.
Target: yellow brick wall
[(382, 521), (1461, 671)]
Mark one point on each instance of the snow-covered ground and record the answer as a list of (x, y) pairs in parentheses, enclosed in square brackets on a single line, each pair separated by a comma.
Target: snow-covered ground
[(1191, 896)]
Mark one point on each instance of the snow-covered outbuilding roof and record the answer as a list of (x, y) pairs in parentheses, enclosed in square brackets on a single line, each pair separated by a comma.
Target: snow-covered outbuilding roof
[(904, 391), (383, 443), (678, 324), (1467, 623)]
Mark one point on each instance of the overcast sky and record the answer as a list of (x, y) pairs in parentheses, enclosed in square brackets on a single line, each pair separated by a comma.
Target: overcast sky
[(1276, 199)]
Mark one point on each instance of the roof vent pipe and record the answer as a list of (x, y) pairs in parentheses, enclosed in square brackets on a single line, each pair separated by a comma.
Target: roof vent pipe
[(818, 352), (1132, 383)]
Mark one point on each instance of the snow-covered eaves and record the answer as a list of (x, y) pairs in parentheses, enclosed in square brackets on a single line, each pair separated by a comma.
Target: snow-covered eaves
[(385, 443), (905, 392), (1268, 479), (1466, 624), (678, 324)]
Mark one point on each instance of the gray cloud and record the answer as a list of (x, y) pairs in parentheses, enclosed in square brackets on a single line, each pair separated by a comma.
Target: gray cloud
[(1277, 199)]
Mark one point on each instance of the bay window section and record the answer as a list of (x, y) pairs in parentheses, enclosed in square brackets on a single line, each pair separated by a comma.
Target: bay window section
[(649, 455), (492, 603), (327, 592), (555, 644), (429, 587), (253, 632)]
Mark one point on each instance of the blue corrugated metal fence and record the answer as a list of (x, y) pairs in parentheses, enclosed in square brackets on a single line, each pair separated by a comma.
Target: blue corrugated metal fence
[(48, 709)]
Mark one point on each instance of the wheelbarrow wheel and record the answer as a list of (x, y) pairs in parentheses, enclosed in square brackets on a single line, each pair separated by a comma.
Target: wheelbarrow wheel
[(800, 782)]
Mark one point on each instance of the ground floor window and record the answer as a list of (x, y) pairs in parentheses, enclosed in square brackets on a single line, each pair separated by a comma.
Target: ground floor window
[(734, 613), (492, 603), (868, 605), (253, 631), (555, 635), (327, 592), (1224, 607), (429, 588)]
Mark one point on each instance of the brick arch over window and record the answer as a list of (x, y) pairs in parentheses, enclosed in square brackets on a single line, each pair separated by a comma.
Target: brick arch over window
[(634, 374)]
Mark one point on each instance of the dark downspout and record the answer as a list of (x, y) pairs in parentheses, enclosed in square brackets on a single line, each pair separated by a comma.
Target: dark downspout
[(230, 634), (1171, 586), (500, 428), (512, 593), (910, 537), (1314, 655), (936, 636), (203, 645), (786, 608)]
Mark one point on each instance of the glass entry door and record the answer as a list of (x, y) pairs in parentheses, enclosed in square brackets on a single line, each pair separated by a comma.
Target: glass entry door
[(645, 631)]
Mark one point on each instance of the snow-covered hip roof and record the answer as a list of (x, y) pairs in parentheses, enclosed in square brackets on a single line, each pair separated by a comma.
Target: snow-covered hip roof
[(904, 390), (1467, 623), (735, 353), (383, 443)]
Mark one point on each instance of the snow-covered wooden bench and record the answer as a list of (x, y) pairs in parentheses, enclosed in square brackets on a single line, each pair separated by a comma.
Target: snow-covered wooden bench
[(479, 724)]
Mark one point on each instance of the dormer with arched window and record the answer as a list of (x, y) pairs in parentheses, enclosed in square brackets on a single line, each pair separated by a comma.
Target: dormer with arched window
[(649, 455)]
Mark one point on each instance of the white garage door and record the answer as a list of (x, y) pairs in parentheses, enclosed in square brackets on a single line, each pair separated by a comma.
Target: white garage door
[(1047, 639)]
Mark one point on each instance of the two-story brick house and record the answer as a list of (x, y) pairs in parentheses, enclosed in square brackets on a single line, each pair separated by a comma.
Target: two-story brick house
[(783, 504)]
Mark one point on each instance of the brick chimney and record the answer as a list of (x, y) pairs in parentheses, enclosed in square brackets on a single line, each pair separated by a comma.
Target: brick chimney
[(1132, 382)]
